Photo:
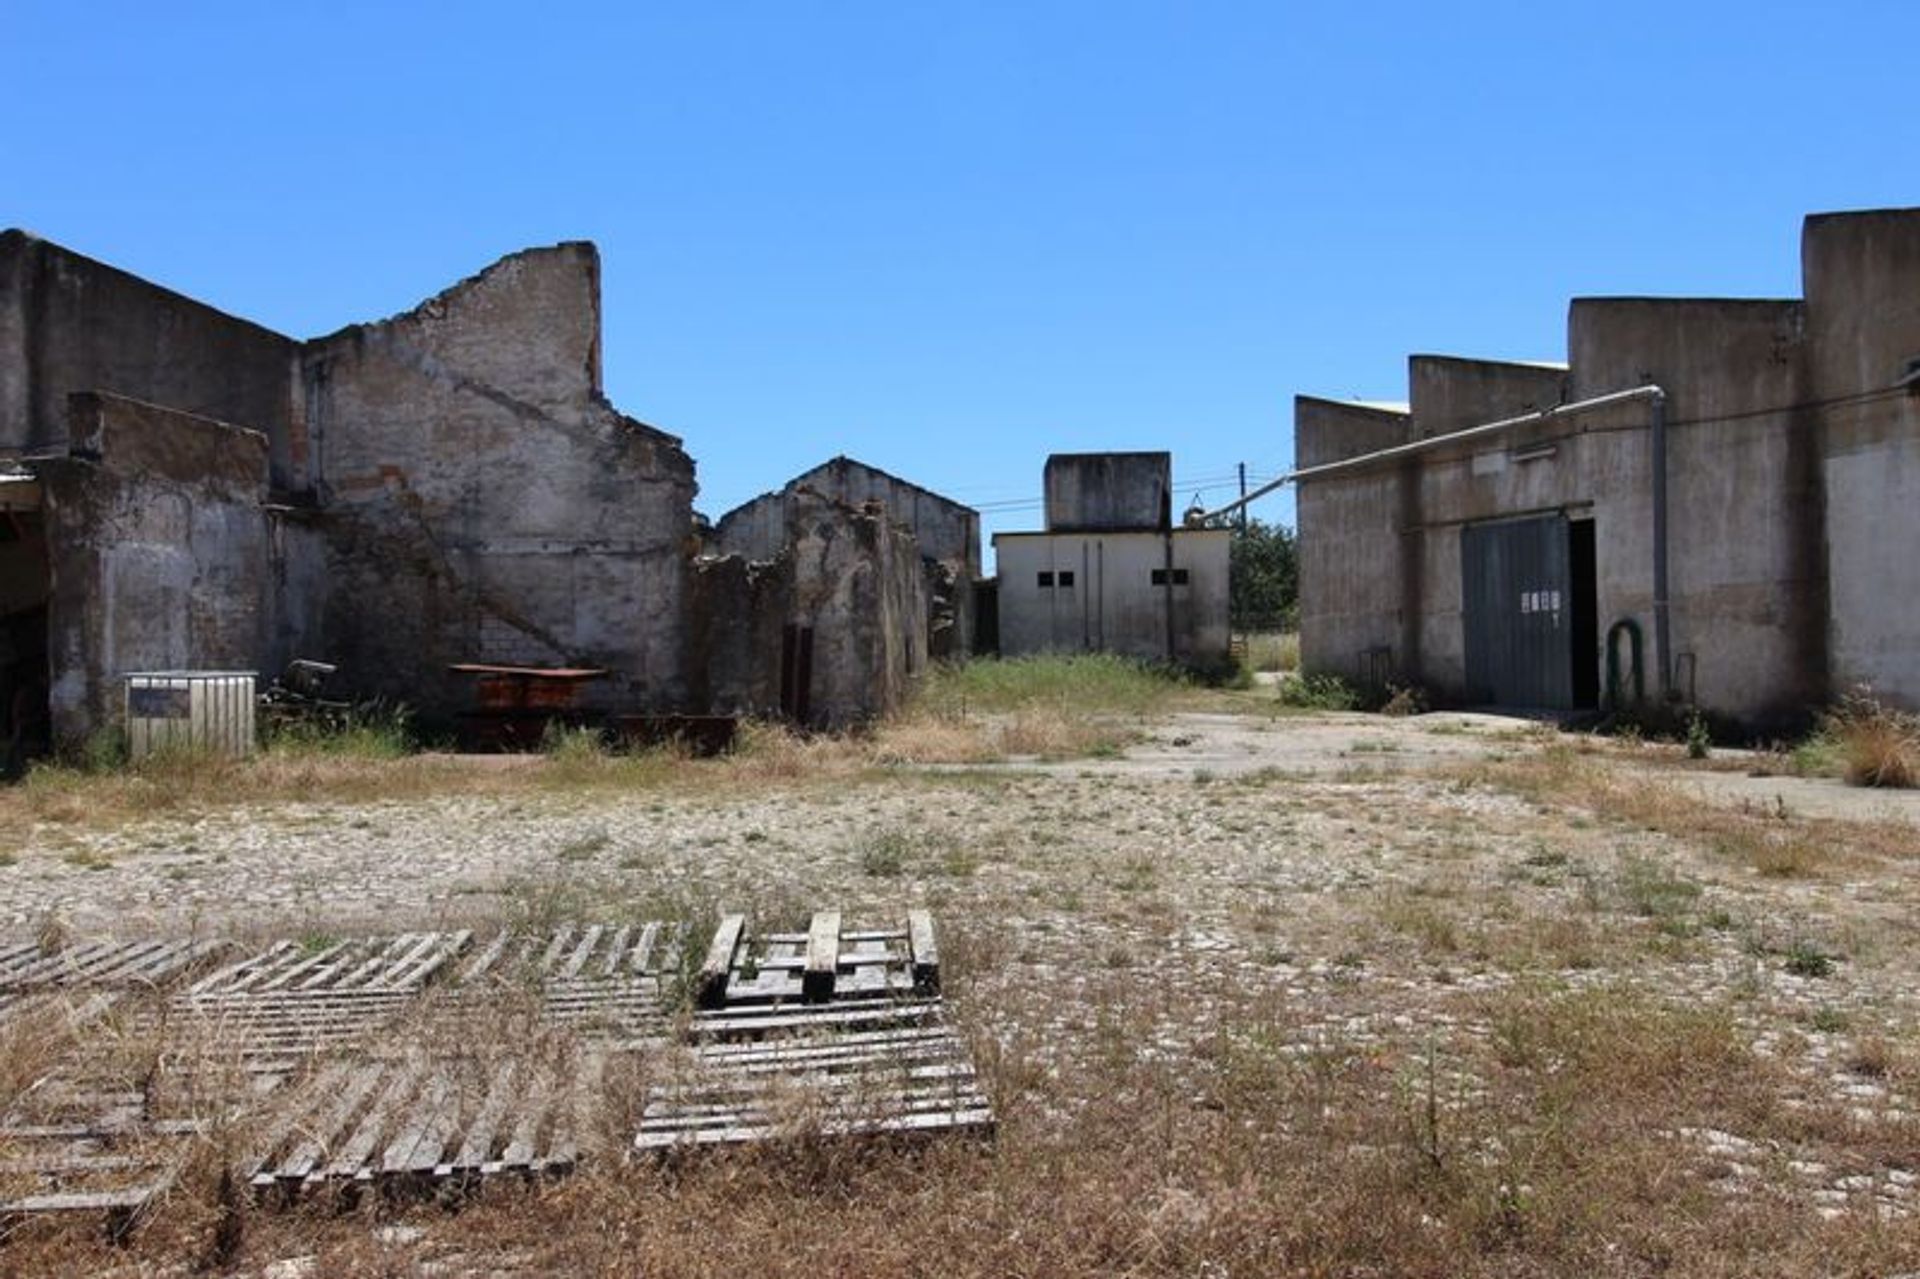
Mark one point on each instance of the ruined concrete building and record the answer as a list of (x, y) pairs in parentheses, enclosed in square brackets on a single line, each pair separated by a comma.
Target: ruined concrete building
[(1111, 572), (183, 489), (1712, 502), (946, 532)]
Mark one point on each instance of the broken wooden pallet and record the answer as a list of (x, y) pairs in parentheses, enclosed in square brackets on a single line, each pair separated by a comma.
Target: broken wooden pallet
[(606, 982), (827, 1032), (425, 1119), (88, 978), (823, 964), (85, 1139)]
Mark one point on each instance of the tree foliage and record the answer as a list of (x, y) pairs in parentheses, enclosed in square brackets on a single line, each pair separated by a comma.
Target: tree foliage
[(1266, 578)]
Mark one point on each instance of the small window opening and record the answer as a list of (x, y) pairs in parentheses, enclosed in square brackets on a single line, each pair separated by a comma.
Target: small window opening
[(1066, 578), (1046, 579), (1160, 577)]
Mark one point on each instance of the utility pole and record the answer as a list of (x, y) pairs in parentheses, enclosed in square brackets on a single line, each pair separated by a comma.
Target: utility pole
[(1243, 499)]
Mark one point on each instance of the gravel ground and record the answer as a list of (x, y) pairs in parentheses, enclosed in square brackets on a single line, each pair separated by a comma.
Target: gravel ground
[(1339, 876)]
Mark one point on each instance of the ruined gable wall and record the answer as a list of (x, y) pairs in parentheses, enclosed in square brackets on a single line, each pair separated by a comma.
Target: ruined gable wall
[(852, 576), (858, 582), (159, 553), (484, 502)]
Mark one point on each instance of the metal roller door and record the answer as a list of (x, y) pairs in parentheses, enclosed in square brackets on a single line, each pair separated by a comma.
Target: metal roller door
[(1518, 606)]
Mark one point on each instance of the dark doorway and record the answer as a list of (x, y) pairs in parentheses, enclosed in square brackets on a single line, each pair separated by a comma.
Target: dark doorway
[(24, 585), (1584, 616), (796, 672)]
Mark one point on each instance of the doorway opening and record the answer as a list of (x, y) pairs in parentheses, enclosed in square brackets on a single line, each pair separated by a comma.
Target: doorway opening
[(25, 585), (1584, 615)]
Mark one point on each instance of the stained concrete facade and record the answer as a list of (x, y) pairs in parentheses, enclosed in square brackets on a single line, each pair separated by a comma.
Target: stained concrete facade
[(946, 532), (1787, 452), (1094, 492), (185, 489), (1156, 596), (483, 501), (844, 603), (1110, 573)]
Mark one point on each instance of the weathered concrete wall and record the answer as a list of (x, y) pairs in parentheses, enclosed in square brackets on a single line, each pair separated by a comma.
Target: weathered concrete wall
[(858, 581), (1351, 545), (1862, 279), (1747, 577), (851, 575), (297, 591), (736, 609), (482, 500), (1113, 604), (1744, 505), (70, 324), (158, 550), (1450, 393), (945, 529), (1094, 492), (947, 533)]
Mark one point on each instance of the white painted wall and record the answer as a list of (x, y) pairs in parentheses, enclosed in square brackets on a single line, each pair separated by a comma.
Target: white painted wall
[(1112, 604)]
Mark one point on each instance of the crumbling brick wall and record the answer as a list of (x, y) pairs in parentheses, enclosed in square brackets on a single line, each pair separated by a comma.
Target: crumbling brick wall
[(483, 501)]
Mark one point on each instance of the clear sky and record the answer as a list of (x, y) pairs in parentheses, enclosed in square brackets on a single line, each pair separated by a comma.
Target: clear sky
[(950, 239)]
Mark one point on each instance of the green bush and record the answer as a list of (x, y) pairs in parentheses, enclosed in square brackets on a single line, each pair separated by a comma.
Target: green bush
[(1319, 693)]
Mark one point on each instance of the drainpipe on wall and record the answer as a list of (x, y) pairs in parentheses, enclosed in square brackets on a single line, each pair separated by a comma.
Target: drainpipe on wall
[(1167, 580), (1657, 423), (1662, 630)]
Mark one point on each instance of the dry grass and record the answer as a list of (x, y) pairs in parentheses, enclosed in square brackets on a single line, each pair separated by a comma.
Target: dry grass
[(1772, 842), (1881, 749), (1052, 708), (1550, 1141), (1273, 651)]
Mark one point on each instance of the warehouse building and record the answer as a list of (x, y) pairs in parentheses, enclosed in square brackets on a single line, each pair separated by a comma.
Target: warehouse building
[(1712, 502)]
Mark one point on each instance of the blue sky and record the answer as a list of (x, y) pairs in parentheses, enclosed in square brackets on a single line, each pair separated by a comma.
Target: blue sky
[(950, 239)]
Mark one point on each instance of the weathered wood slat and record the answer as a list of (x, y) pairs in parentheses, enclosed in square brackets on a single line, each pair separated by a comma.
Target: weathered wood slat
[(711, 988), (926, 951), (823, 957), (478, 1146), (352, 1156), (313, 1148)]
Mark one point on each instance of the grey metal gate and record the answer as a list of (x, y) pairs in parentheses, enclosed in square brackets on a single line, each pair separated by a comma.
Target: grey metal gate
[(1518, 605)]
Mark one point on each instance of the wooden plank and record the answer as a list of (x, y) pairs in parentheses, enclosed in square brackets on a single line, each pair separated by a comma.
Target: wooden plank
[(823, 957), (421, 1121), (643, 949), (559, 942), (483, 963), (352, 1157), (538, 1095), (415, 977), (578, 960), (926, 952), (616, 951), (711, 988), (478, 1146), (133, 1197), (236, 975)]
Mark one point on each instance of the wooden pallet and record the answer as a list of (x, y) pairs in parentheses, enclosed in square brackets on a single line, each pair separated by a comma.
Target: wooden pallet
[(425, 1119), (82, 1140), (334, 1054), (605, 982), (827, 1032), (89, 978)]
